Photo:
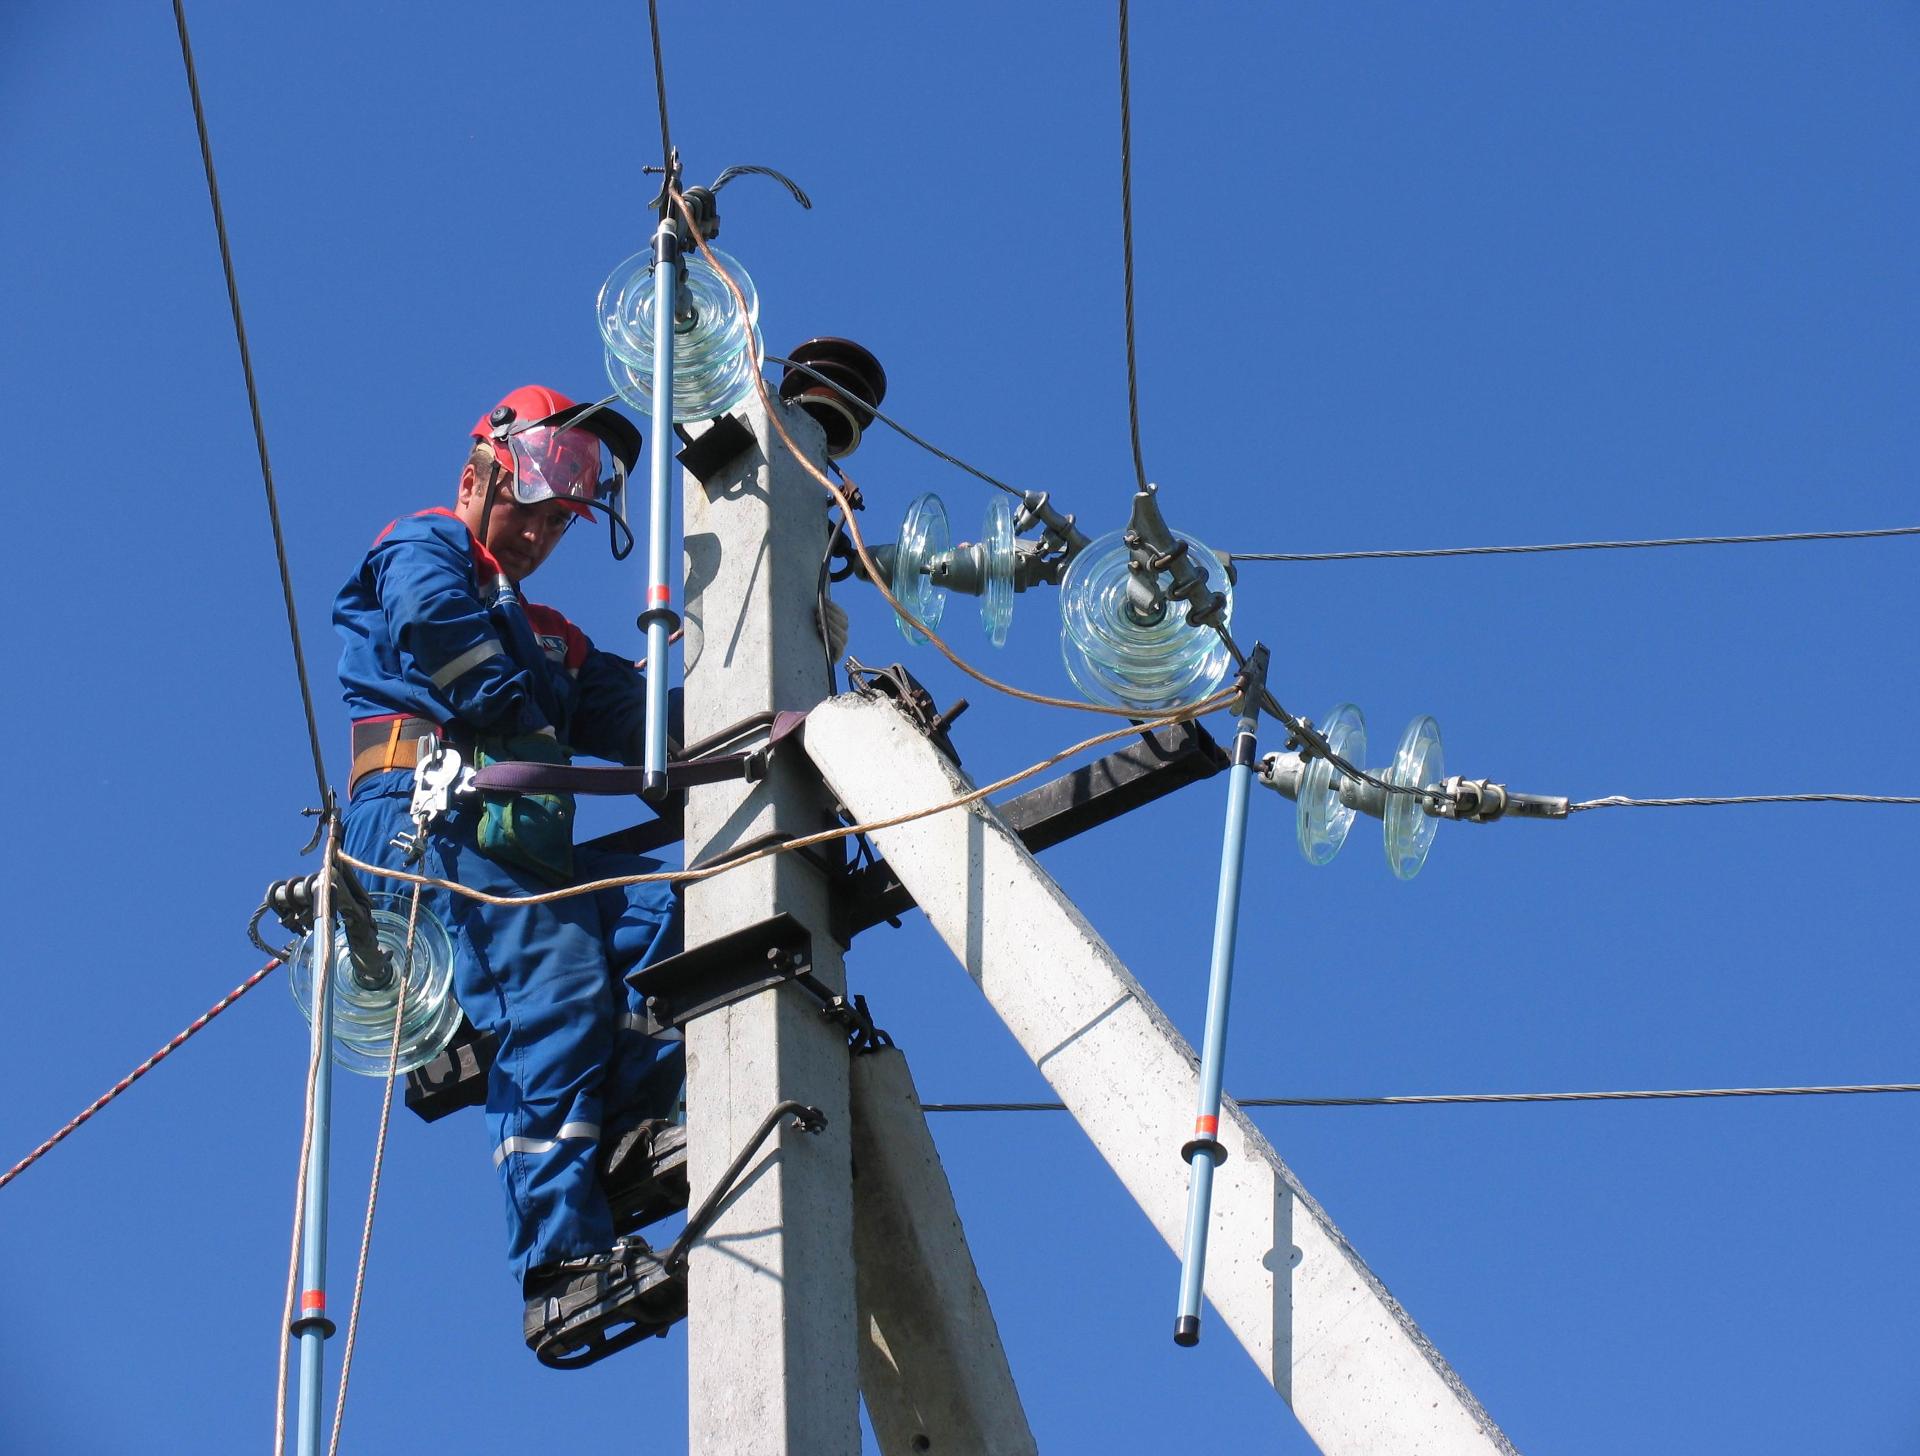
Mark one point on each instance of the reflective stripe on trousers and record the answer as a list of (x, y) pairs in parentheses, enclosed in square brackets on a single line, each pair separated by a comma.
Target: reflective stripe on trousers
[(568, 1131)]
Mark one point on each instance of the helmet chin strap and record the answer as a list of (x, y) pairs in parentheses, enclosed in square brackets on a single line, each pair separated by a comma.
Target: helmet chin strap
[(493, 489)]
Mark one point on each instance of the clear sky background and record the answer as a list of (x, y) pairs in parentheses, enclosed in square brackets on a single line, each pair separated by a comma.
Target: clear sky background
[(1408, 276)]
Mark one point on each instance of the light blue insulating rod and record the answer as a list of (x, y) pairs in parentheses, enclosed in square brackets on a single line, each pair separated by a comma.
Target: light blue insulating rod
[(310, 1323), (659, 616), (1204, 1153)]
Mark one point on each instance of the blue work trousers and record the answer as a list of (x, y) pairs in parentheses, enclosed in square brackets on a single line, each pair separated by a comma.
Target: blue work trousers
[(573, 1067)]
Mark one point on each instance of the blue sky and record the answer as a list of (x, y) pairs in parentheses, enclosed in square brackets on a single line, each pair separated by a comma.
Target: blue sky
[(1408, 276)]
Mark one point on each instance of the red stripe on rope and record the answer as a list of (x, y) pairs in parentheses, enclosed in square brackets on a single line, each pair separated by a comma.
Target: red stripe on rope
[(136, 1074)]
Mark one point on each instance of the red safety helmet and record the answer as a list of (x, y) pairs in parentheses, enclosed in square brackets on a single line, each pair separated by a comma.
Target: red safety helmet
[(554, 449)]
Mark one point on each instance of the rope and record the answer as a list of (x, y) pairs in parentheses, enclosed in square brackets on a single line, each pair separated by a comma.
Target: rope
[(1447, 1098), (1620, 801), (137, 1073), (874, 573), (253, 404), (1126, 243), (1572, 546), (317, 1050), (373, 1187), (706, 872)]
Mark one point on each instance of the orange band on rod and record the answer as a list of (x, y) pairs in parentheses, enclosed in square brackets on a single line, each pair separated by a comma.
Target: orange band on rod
[(313, 1301), (1206, 1126), (659, 593)]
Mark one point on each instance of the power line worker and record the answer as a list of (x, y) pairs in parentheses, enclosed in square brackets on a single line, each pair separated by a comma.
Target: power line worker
[(437, 640)]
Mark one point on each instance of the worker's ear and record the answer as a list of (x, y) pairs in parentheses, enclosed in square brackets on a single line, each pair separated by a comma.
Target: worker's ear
[(469, 484)]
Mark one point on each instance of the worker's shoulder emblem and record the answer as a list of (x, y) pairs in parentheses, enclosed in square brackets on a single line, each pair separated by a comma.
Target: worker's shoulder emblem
[(554, 647)]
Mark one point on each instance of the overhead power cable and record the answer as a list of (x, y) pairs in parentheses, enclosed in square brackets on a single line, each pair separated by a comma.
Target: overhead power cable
[(660, 90), (137, 1073), (1572, 546), (1621, 801), (866, 407), (253, 404), (1126, 244), (1456, 1098)]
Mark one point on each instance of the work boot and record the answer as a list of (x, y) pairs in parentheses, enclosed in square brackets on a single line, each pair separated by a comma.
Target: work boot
[(644, 1174), (583, 1310)]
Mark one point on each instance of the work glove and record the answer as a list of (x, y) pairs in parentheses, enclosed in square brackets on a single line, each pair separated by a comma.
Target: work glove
[(831, 619)]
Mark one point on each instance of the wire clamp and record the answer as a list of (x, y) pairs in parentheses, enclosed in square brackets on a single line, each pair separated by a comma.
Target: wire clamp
[(1477, 801), (853, 1017), (904, 688), (1473, 801)]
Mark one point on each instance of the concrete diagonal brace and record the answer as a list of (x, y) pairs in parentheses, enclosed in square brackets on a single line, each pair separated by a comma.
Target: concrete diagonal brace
[(932, 1368), (1360, 1376)]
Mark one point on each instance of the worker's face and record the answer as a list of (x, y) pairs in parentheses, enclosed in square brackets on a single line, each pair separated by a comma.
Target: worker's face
[(520, 537)]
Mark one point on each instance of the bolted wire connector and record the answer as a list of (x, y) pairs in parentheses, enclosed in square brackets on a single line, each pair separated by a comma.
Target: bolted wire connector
[(1480, 801)]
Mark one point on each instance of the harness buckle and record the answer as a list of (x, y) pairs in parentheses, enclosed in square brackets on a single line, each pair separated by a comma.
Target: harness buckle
[(439, 774)]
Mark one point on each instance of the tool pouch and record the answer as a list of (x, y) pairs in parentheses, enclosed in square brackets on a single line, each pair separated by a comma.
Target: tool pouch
[(533, 832)]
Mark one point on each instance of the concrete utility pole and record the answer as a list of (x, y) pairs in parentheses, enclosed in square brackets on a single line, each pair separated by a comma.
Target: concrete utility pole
[(783, 1335), (1360, 1375), (771, 1326)]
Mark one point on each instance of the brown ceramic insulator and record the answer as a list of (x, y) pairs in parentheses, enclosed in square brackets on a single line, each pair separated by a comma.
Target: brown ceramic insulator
[(850, 367)]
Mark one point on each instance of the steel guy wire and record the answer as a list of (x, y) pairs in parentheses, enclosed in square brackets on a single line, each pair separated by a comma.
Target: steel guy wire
[(1126, 243), (1457, 1098), (253, 403), (1572, 546), (851, 397)]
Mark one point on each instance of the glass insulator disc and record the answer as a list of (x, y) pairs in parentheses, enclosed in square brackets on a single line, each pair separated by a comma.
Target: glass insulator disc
[(1409, 828), (923, 535), (1321, 820)]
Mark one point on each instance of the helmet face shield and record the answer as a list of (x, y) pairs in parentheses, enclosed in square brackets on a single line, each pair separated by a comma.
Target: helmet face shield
[(565, 463)]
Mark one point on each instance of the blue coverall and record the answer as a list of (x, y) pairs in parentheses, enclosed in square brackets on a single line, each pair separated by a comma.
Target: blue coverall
[(431, 628)]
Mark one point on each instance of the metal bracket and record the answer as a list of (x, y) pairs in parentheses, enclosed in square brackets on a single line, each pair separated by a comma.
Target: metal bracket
[(742, 963), (707, 453)]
